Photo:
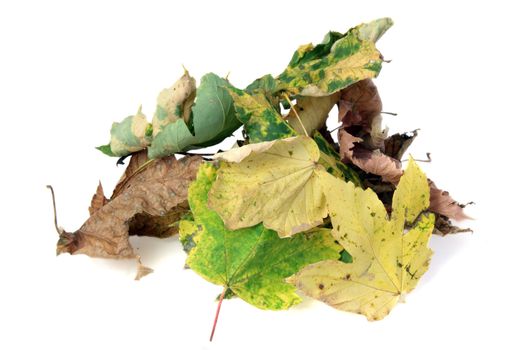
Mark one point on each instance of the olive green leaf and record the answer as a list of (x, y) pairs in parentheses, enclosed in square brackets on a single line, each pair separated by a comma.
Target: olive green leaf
[(330, 159), (251, 262), (212, 120), (387, 258), (174, 103), (130, 135), (340, 60), (262, 122), (265, 85)]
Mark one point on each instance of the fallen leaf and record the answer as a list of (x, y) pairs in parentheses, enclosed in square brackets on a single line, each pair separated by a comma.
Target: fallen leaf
[(442, 203), (360, 104), (329, 159), (160, 188), (98, 200), (130, 135), (312, 111), (347, 143), (444, 226), (262, 122), (377, 163), (397, 144), (174, 103), (386, 262), (339, 61), (250, 262), (212, 120), (275, 182)]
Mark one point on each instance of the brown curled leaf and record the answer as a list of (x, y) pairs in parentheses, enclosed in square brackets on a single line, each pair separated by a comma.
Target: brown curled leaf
[(360, 104), (377, 163), (158, 189), (397, 144), (442, 203), (347, 143)]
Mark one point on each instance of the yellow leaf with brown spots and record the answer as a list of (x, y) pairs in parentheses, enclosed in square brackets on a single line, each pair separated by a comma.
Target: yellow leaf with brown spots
[(389, 254)]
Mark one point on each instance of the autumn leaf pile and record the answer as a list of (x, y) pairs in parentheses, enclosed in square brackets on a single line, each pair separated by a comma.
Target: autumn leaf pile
[(288, 208)]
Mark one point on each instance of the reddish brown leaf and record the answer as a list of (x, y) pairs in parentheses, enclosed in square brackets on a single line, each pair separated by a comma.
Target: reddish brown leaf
[(347, 143), (98, 200), (158, 188), (377, 163), (442, 203), (397, 144), (360, 104)]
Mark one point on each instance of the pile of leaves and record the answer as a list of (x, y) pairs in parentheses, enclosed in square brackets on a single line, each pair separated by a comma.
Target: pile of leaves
[(288, 207)]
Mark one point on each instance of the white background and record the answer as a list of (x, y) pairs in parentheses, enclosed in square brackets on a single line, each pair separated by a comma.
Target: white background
[(69, 69)]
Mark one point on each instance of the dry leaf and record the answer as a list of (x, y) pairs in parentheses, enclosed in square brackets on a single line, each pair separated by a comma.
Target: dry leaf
[(377, 163), (360, 104), (443, 226), (442, 203), (397, 144), (158, 188), (276, 182), (98, 200), (388, 257), (347, 143)]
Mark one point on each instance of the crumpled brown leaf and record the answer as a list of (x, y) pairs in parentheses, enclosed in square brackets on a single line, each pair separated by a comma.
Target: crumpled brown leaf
[(347, 143), (377, 163), (154, 189), (360, 104), (397, 144), (442, 203), (370, 161), (360, 113)]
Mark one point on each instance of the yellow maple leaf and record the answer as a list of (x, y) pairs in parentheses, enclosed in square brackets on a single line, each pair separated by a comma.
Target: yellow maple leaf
[(276, 182), (387, 258)]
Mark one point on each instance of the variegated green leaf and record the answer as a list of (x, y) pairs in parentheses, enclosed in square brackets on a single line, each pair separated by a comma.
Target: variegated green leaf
[(261, 120), (130, 135), (174, 103), (340, 60), (212, 120)]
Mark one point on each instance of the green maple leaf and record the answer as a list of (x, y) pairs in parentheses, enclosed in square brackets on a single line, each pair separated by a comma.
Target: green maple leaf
[(251, 262)]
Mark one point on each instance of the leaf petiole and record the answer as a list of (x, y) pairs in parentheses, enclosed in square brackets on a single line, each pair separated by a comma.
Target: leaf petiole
[(221, 298)]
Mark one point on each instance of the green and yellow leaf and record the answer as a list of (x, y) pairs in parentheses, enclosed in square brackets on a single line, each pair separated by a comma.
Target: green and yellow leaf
[(340, 60), (262, 122), (251, 262), (174, 103)]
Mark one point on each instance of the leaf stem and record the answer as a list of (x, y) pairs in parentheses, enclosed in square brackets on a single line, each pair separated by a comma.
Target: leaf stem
[(221, 298), (295, 112), (59, 230)]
